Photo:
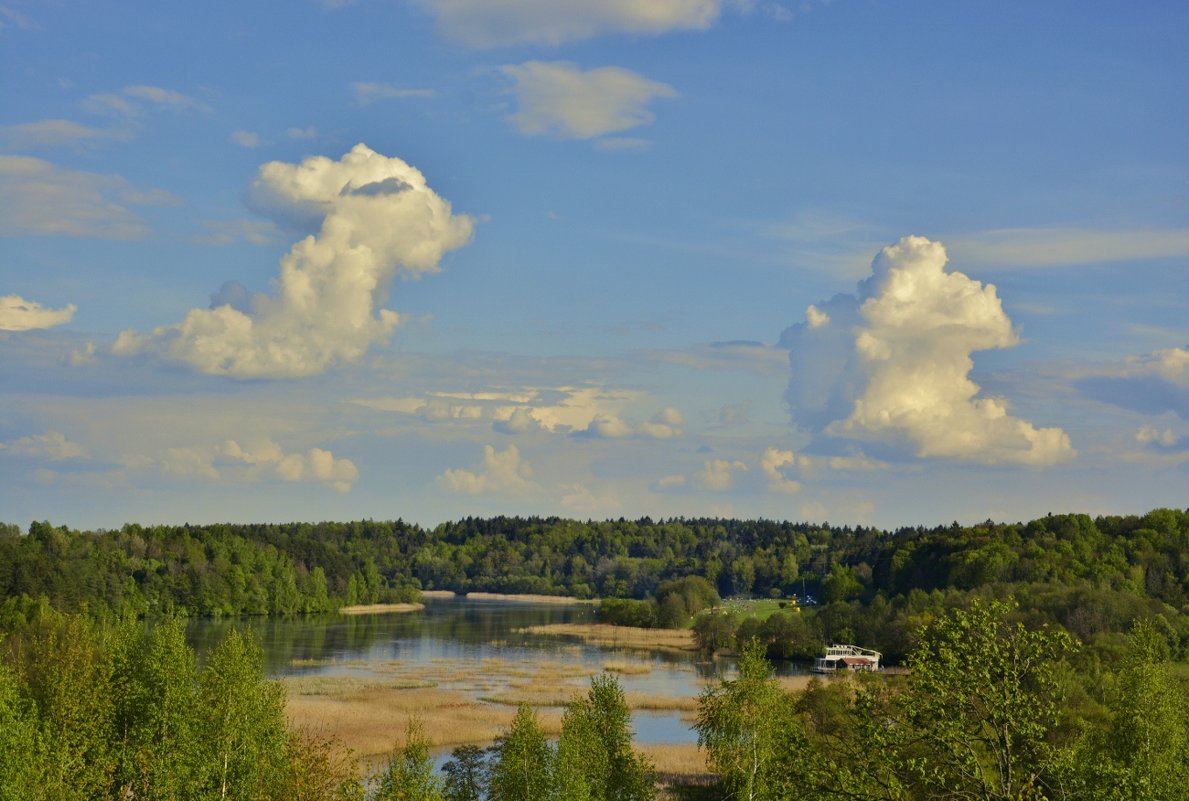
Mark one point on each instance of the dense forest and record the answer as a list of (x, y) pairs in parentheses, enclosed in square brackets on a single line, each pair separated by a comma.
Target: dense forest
[(1091, 576)]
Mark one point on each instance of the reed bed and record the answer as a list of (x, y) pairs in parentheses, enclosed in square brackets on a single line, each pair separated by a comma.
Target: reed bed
[(526, 597), (627, 668), (676, 762), (624, 637), (379, 609), (371, 720)]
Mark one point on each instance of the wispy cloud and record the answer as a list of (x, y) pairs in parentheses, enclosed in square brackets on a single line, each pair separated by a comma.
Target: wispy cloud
[(18, 314), (557, 98), (54, 133), (1061, 247), (367, 93), (247, 139), (52, 445), (553, 22), (42, 198)]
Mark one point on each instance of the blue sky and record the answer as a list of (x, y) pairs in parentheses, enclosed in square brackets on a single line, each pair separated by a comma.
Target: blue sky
[(867, 262)]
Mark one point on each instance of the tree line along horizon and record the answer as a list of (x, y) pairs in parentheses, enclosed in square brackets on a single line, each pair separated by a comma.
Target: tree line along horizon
[(1093, 577)]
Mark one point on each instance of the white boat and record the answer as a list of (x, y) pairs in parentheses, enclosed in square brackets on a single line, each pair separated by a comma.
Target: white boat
[(847, 657)]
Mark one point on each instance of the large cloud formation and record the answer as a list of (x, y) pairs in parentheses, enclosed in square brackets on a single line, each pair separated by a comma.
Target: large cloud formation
[(376, 217), (891, 364)]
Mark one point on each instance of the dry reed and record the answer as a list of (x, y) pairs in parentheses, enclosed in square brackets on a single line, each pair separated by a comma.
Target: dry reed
[(525, 597), (620, 636), (380, 609)]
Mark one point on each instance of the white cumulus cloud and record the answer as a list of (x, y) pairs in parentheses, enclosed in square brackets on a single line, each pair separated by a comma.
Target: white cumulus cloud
[(51, 445), (376, 218), (891, 365), (501, 471), (717, 474), (559, 99), (18, 314), (503, 22), (259, 459), (771, 462)]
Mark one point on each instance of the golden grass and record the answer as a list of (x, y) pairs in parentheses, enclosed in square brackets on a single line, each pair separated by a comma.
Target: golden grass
[(620, 636), (654, 703), (536, 599), (675, 761), (380, 609), (438, 594), (626, 668), (458, 700), (373, 721)]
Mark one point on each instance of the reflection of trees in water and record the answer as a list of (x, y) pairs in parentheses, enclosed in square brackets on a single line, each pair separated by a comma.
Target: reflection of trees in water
[(288, 642)]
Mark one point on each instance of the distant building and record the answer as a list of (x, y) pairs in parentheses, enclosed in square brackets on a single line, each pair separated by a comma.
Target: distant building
[(847, 657)]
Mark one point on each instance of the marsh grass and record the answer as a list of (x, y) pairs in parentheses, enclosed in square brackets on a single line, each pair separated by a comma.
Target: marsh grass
[(676, 762), (372, 721), (627, 668), (623, 637), (458, 700), (526, 597), (379, 609)]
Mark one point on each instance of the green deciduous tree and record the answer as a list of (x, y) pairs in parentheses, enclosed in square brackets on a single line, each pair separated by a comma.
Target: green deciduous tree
[(595, 759), (983, 700), (523, 762), (743, 725), (410, 774), (242, 723), (465, 774)]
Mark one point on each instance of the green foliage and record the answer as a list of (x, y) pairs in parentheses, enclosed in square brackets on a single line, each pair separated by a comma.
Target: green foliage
[(242, 722), (595, 749), (95, 711), (746, 725), (984, 698), (410, 775), (465, 774), (21, 750), (626, 612), (680, 599), (1143, 753), (523, 764)]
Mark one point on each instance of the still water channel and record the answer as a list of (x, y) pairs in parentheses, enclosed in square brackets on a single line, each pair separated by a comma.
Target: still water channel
[(459, 631)]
